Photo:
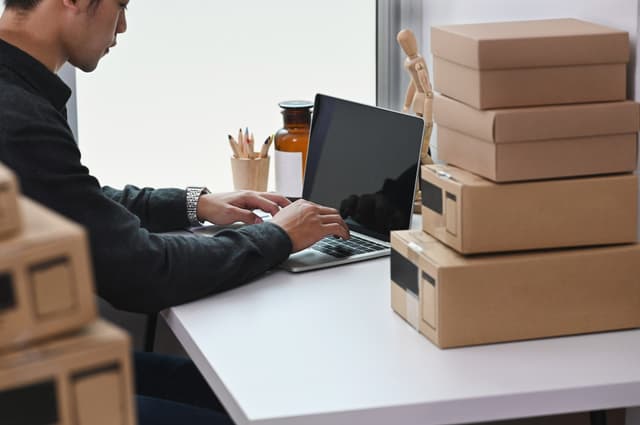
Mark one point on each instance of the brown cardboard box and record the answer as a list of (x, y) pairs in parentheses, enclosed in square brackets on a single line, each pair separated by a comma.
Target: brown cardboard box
[(9, 215), (457, 301), (46, 282), (527, 63), (82, 379), (473, 215), (541, 142)]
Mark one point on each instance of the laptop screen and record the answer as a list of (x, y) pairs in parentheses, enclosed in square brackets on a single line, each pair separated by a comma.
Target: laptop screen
[(363, 161)]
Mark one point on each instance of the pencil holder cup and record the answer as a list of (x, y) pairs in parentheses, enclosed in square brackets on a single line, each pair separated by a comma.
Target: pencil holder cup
[(250, 174)]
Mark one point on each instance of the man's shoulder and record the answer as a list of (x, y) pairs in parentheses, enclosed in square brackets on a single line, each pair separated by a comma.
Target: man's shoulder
[(22, 106), (17, 95)]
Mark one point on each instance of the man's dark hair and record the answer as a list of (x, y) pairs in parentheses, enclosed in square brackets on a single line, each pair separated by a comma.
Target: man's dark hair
[(30, 4), (21, 4)]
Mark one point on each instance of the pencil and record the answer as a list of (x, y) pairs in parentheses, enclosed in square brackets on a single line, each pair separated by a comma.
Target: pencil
[(265, 147), (241, 144), (245, 138), (251, 143), (247, 147), (234, 147)]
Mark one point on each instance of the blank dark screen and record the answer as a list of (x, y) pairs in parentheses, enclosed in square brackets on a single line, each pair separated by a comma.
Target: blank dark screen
[(363, 161)]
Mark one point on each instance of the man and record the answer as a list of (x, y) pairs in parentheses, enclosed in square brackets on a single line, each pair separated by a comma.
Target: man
[(136, 268)]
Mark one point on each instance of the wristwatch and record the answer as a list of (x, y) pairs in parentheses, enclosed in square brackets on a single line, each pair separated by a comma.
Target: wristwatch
[(193, 196)]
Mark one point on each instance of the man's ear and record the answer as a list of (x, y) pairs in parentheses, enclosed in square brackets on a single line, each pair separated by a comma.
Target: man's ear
[(72, 5)]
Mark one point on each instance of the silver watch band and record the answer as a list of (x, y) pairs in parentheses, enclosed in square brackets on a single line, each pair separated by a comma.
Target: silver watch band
[(193, 196)]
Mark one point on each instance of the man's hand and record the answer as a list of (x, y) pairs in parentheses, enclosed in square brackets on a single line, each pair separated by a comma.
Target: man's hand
[(306, 223), (227, 208)]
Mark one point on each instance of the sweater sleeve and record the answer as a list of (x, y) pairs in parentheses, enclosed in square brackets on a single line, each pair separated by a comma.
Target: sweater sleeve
[(159, 210), (135, 269)]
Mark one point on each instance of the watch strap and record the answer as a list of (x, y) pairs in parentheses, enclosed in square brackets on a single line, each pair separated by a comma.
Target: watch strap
[(193, 196)]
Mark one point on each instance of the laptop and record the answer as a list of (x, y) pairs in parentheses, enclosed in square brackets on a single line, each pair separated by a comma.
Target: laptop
[(363, 161)]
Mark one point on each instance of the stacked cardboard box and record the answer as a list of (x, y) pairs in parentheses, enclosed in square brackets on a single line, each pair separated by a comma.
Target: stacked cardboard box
[(58, 364), (530, 63), (10, 222), (530, 231)]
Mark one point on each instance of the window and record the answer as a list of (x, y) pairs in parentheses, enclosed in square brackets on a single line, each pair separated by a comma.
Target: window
[(159, 107)]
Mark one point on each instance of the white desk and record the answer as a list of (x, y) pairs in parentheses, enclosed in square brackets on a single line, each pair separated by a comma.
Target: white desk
[(325, 348)]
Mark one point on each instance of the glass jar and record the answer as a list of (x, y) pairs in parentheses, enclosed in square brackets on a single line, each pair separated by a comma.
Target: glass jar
[(291, 144)]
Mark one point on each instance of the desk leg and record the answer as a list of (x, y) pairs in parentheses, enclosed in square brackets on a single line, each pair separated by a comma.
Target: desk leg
[(598, 417)]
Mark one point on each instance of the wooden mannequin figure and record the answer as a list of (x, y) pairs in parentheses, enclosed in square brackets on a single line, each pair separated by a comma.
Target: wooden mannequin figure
[(419, 95)]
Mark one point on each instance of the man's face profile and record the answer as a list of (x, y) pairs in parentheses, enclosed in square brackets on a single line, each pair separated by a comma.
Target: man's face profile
[(93, 31)]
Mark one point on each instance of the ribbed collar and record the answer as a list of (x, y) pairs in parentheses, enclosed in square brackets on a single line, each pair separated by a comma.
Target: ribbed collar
[(45, 82)]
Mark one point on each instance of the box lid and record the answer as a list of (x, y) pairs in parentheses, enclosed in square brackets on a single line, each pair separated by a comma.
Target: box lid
[(41, 226), (433, 252), (98, 335), (528, 44), (448, 175), (10, 220), (7, 176), (538, 123), (423, 249)]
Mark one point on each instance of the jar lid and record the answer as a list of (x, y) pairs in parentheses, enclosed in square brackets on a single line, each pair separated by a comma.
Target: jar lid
[(296, 104)]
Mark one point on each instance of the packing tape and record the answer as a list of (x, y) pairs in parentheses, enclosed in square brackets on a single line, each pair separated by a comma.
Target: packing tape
[(414, 252), (444, 175)]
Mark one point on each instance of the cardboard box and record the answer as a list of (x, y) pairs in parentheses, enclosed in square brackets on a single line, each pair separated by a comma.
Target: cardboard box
[(83, 379), (456, 301), (527, 63), (474, 215), (541, 142), (46, 281), (9, 215)]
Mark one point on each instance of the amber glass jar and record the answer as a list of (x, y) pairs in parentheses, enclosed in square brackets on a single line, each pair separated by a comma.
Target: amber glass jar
[(291, 144)]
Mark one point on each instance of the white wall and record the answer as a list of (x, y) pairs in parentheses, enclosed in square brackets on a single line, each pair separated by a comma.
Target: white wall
[(158, 109), (68, 75)]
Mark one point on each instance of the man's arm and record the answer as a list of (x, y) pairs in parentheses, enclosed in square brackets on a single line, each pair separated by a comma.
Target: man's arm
[(135, 269), (159, 210)]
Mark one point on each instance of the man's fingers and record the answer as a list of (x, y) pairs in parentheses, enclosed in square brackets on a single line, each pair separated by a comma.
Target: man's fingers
[(327, 210), (336, 230), (330, 218), (245, 216), (277, 198), (334, 218), (258, 201)]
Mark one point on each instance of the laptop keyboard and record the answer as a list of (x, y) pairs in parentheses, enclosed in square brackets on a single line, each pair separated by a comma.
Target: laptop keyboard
[(341, 248)]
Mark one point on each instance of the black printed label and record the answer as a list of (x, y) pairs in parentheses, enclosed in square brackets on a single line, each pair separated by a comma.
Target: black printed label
[(29, 405), (404, 272), (431, 196), (429, 278), (7, 295)]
